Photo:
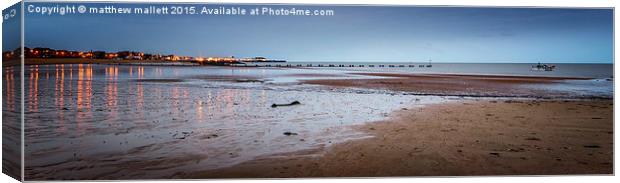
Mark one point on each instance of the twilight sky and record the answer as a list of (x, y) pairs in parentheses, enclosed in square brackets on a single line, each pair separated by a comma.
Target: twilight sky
[(354, 33)]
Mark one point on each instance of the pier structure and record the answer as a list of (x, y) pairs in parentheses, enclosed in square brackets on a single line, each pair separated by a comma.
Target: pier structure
[(329, 65)]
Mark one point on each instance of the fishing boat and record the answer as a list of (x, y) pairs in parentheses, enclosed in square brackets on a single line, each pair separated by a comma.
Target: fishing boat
[(543, 67), (429, 63)]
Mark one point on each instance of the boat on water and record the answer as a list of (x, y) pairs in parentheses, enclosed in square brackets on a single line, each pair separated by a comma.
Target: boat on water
[(543, 67), (429, 63)]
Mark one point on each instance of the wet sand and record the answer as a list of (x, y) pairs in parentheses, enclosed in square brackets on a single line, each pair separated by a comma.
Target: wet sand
[(464, 137), (467, 136), (452, 85)]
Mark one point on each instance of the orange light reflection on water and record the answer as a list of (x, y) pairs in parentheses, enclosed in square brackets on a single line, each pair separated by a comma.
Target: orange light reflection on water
[(33, 92), (9, 79), (84, 95)]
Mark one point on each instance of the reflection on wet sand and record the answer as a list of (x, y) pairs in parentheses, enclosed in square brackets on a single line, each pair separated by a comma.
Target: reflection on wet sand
[(59, 90), (100, 122), (34, 89)]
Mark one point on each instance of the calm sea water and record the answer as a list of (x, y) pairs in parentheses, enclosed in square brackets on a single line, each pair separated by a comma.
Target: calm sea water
[(562, 70), (120, 121)]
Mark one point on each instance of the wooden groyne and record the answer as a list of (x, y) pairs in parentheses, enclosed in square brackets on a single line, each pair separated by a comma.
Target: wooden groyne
[(275, 64), (335, 65)]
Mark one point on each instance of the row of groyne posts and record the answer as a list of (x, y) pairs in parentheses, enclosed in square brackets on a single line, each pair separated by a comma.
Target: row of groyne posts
[(332, 65), (279, 64)]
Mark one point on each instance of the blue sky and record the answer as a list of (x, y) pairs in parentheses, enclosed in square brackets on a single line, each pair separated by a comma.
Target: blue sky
[(354, 33)]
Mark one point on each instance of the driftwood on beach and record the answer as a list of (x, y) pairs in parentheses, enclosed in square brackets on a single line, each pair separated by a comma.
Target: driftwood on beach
[(289, 104)]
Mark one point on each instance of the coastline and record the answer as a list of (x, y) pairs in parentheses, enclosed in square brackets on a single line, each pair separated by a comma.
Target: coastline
[(52, 61)]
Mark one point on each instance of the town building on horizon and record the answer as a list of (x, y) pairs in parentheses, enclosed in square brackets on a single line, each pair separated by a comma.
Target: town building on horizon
[(40, 52)]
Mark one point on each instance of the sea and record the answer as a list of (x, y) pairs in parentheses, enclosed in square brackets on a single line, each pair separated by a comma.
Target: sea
[(512, 69)]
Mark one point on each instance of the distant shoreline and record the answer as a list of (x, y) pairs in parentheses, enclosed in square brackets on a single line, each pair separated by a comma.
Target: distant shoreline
[(52, 61)]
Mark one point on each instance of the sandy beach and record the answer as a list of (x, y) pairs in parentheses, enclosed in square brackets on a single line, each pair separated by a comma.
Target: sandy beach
[(468, 137), (455, 84)]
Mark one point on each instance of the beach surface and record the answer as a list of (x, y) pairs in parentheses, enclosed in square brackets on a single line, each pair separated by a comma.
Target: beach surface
[(460, 138), (501, 126), (105, 122)]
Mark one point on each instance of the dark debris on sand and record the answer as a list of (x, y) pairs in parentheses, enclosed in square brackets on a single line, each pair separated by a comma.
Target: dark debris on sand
[(289, 104)]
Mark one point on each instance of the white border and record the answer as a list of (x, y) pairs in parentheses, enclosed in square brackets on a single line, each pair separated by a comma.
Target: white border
[(520, 3)]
